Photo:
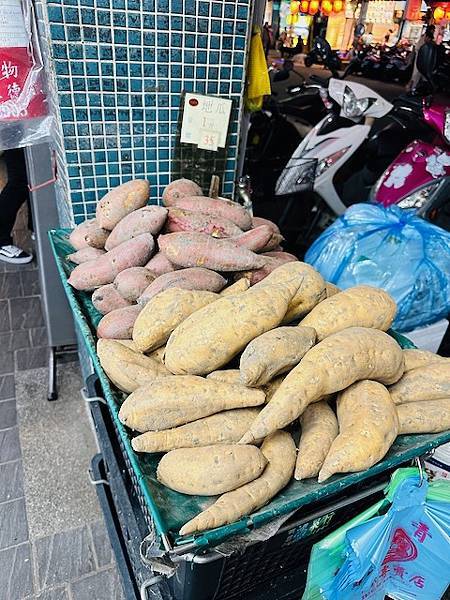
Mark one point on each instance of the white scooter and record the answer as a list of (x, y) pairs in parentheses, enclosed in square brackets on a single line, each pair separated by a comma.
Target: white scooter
[(332, 142)]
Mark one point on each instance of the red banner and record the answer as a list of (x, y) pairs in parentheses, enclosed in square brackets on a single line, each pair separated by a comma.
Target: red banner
[(21, 91)]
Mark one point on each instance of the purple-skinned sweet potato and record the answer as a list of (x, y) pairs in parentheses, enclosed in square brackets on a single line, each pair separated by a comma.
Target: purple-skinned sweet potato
[(192, 249), (148, 219), (121, 201), (196, 278), (133, 253)]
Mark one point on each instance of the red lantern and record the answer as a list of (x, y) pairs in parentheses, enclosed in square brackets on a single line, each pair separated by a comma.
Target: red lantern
[(338, 6), (326, 7), (295, 7), (313, 7), (304, 6)]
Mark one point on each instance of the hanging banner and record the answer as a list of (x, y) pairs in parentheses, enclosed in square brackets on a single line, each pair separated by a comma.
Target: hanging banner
[(412, 12), (22, 94)]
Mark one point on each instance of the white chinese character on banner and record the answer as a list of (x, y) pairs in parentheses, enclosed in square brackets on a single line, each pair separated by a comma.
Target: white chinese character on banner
[(14, 91), (8, 70)]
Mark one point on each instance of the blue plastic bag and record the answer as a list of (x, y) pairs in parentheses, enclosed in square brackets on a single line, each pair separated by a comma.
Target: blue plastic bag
[(404, 554), (392, 249)]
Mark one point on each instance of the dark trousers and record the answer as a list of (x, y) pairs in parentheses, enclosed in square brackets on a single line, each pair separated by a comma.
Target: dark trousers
[(14, 194)]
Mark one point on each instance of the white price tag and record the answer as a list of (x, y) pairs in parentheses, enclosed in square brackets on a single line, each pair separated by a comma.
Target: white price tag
[(12, 25), (205, 121)]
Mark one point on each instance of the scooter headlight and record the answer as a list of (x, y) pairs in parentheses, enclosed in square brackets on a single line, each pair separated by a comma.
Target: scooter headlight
[(330, 160), (447, 126), (420, 197), (352, 107)]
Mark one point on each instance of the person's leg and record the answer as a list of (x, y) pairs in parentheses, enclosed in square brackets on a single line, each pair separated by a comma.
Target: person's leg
[(13, 194)]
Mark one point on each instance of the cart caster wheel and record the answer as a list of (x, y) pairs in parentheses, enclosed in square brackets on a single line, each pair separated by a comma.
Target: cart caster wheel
[(52, 396)]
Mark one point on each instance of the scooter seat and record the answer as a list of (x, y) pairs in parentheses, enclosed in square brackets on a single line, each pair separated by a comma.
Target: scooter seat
[(320, 80)]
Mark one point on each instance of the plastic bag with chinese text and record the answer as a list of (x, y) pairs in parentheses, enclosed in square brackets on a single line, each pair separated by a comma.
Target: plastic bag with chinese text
[(404, 553), (24, 112)]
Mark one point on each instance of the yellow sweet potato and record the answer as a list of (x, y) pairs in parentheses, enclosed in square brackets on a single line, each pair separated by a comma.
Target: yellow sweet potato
[(132, 282), (148, 219), (273, 353), (332, 365), (164, 312), (85, 254), (226, 375), (311, 289), (222, 428), (210, 470), (121, 201), (319, 429), (103, 270), (430, 382), (429, 416), (106, 298), (213, 335), (360, 306), (368, 425), (158, 354), (118, 323), (88, 234), (332, 289), (271, 387), (128, 344), (176, 400), (279, 450), (241, 285), (420, 358), (125, 368), (180, 188)]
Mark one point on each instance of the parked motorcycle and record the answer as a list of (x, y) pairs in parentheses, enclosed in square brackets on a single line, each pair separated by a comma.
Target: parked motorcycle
[(341, 158), (322, 54), (419, 178)]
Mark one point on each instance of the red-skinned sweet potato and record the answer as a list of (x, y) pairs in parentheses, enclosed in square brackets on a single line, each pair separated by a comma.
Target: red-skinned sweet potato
[(88, 233), (258, 221), (121, 201), (195, 278), (201, 250), (118, 324), (180, 219), (160, 264), (254, 239), (217, 207), (107, 298), (180, 188), (103, 270), (148, 219), (85, 254), (132, 282)]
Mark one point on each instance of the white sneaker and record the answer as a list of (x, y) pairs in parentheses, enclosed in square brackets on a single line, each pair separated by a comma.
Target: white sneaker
[(14, 255)]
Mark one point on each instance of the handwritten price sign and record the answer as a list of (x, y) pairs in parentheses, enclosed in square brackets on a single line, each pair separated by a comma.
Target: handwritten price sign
[(205, 121)]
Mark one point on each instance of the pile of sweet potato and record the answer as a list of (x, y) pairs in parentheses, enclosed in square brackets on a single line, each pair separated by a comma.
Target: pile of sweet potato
[(220, 344)]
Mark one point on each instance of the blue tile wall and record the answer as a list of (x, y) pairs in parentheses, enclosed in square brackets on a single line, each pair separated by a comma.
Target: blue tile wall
[(119, 68)]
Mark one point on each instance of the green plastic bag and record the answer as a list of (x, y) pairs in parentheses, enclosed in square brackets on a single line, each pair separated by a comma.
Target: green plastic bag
[(328, 555)]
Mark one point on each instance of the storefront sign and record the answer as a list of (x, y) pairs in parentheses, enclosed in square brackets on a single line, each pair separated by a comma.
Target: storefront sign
[(21, 94), (205, 121), (412, 12), (380, 11)]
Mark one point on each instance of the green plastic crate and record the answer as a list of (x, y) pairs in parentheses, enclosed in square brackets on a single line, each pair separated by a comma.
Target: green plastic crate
[(169, 509)]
